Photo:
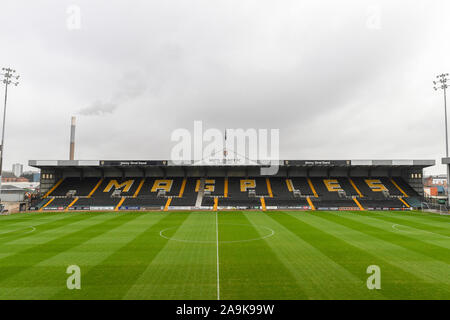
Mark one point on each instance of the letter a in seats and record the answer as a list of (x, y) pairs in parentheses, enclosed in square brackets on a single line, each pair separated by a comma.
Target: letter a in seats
[(164, 184)]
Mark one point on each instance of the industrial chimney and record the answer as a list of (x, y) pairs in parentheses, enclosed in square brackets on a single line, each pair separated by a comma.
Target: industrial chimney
[(72, 139)]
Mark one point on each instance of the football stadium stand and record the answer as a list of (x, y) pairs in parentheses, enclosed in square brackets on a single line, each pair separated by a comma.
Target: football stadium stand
[(163, 185)]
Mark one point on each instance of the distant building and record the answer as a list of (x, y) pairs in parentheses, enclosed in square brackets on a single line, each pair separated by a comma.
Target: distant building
[(435, 186), (17, 169), (28, 186), (439, 180), (32, 176), (36, 177), (10, 177), (434, 191), (14, 179), (12, 194)]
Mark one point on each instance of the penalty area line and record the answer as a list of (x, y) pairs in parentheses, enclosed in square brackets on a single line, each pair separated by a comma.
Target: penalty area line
[(415, 231)]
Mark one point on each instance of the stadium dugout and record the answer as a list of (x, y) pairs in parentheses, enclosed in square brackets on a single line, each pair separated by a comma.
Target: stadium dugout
[(166, 185)]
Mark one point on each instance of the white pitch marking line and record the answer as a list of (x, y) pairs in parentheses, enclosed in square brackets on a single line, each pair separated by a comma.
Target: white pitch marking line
[(394, 226), (161, 234), (271, 233), (217, 244)]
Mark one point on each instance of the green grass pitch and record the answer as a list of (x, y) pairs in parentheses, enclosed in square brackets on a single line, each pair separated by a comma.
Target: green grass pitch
[(229, 255)]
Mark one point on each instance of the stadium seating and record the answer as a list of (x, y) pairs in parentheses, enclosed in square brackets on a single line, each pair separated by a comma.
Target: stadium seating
[(82, 186), (163, 193)]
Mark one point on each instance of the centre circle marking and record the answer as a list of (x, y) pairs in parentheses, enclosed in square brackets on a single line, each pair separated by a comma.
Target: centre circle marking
[(270, 234)]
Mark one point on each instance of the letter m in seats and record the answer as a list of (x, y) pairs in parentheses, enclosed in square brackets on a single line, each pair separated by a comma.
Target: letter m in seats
[(113, 183)]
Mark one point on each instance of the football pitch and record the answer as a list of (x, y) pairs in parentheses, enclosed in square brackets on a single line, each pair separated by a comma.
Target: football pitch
[(225, 255)]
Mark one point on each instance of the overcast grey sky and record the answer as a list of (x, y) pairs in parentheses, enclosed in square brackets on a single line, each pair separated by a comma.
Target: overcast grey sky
[(340, 79)]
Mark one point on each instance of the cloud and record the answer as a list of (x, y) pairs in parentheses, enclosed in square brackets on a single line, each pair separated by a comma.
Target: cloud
[(335, 84), (98, 108), (128, 87)]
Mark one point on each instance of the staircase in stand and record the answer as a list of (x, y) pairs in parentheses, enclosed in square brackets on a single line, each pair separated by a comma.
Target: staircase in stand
[(201, 192)]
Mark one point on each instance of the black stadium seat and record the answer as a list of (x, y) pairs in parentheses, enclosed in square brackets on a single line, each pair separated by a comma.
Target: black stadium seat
[(241, 192)]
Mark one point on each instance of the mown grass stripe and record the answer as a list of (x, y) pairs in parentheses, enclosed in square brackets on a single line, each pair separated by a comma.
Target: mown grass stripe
[(26, 293), (419, 231), (384, 231), (24, 217), (12, 243), (356, 251), (314, 271), (50, 276), (323, 254), (25, 222), (428, 215), (251, 270), (21, 229), (191, 255), (96, 250), (21, 261), (441, 228), (113, 277), (396, 248)]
